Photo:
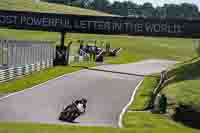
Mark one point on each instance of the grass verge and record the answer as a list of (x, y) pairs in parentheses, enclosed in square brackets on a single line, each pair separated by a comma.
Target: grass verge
[(45, 128), (144, 93), (183, 85), (149, 122), (154, 123), (36, 78)]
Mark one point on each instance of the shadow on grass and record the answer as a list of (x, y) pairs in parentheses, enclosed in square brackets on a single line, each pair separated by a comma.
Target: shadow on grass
[(188, 116)]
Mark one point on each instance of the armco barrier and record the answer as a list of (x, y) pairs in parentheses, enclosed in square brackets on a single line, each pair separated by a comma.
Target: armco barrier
[(12, 73)]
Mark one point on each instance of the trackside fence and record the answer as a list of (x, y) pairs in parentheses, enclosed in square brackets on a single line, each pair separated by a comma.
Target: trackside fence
[(18, 58)]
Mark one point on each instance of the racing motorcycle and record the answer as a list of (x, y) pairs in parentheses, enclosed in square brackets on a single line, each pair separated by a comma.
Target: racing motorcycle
[(73, 111)]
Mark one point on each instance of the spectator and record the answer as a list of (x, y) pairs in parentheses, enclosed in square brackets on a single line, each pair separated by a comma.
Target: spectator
[(163, 104), (87, 49), (81, 48)]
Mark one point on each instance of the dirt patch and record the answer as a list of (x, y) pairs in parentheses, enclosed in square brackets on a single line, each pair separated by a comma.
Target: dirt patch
[(188, 116)]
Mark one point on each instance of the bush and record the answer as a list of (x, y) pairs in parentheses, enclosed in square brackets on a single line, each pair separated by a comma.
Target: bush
[(197, 46)]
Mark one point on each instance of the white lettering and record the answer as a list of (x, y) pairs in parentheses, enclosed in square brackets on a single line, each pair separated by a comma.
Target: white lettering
[(117, 27), (127, 27), (2, 19), (37, 21), (29, 20), (89, 25), (45, 22), (139, 27), (179, 28), (100, 25), (8, 19), (52, 22), (148, 27), (67, 23), (107, 26), (83, 24), (164, 27), (156, 28)]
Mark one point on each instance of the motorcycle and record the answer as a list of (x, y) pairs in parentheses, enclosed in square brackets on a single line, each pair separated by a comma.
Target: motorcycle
[(73, 111)]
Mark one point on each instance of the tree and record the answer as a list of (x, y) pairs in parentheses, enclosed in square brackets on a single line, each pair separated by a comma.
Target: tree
[(125, 9), (100, 5), (133, 9), (189, 10), (147, 9), (116, 7), (128, 8)]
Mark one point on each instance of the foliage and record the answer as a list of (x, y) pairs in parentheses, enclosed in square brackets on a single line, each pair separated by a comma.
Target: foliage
[(128, 8)]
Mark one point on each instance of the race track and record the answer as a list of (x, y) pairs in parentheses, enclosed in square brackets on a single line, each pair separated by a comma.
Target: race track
[(107, 94)]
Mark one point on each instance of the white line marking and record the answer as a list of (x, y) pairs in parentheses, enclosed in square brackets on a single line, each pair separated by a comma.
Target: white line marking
[(120, 124), (22, 91)]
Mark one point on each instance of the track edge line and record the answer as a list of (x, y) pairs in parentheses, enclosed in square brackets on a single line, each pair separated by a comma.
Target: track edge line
[(120, 123), (22, 91)]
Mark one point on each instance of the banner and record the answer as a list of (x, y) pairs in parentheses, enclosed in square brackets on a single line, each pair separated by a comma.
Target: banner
[(99, 24)]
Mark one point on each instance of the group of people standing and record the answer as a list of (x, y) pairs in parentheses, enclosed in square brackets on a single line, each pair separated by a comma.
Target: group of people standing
[(93, 51)]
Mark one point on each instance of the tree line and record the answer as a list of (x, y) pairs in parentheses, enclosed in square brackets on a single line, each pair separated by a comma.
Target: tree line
[(128, 8)]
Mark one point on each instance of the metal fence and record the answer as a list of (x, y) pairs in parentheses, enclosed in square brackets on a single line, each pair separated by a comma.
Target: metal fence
[(19, 58)]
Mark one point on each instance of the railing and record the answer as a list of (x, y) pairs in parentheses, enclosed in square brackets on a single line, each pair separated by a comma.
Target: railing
[(17, 52), (20, 57), (12, 73)]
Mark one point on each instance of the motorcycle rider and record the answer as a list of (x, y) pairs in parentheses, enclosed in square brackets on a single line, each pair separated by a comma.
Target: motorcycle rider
[(75, 109), (81, 105)]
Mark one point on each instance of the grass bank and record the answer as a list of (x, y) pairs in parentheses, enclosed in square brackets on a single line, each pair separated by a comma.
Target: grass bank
[(30, 5), (183, 86), (181, 89), (133, 48), (154, 123), (149, 121)]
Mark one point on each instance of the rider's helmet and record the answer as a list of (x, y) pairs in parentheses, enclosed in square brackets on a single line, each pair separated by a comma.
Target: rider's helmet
[(84, 100)]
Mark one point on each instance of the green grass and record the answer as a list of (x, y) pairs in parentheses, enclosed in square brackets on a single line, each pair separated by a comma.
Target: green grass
[(34, 79), (144, 93), (138, 48), (39, 77), (184, 85), (45, 128), (29, 5), (154, 123), (133, 48)]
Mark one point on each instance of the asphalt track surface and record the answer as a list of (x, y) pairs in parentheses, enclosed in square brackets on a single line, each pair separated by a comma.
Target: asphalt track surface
[(107, 94)]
